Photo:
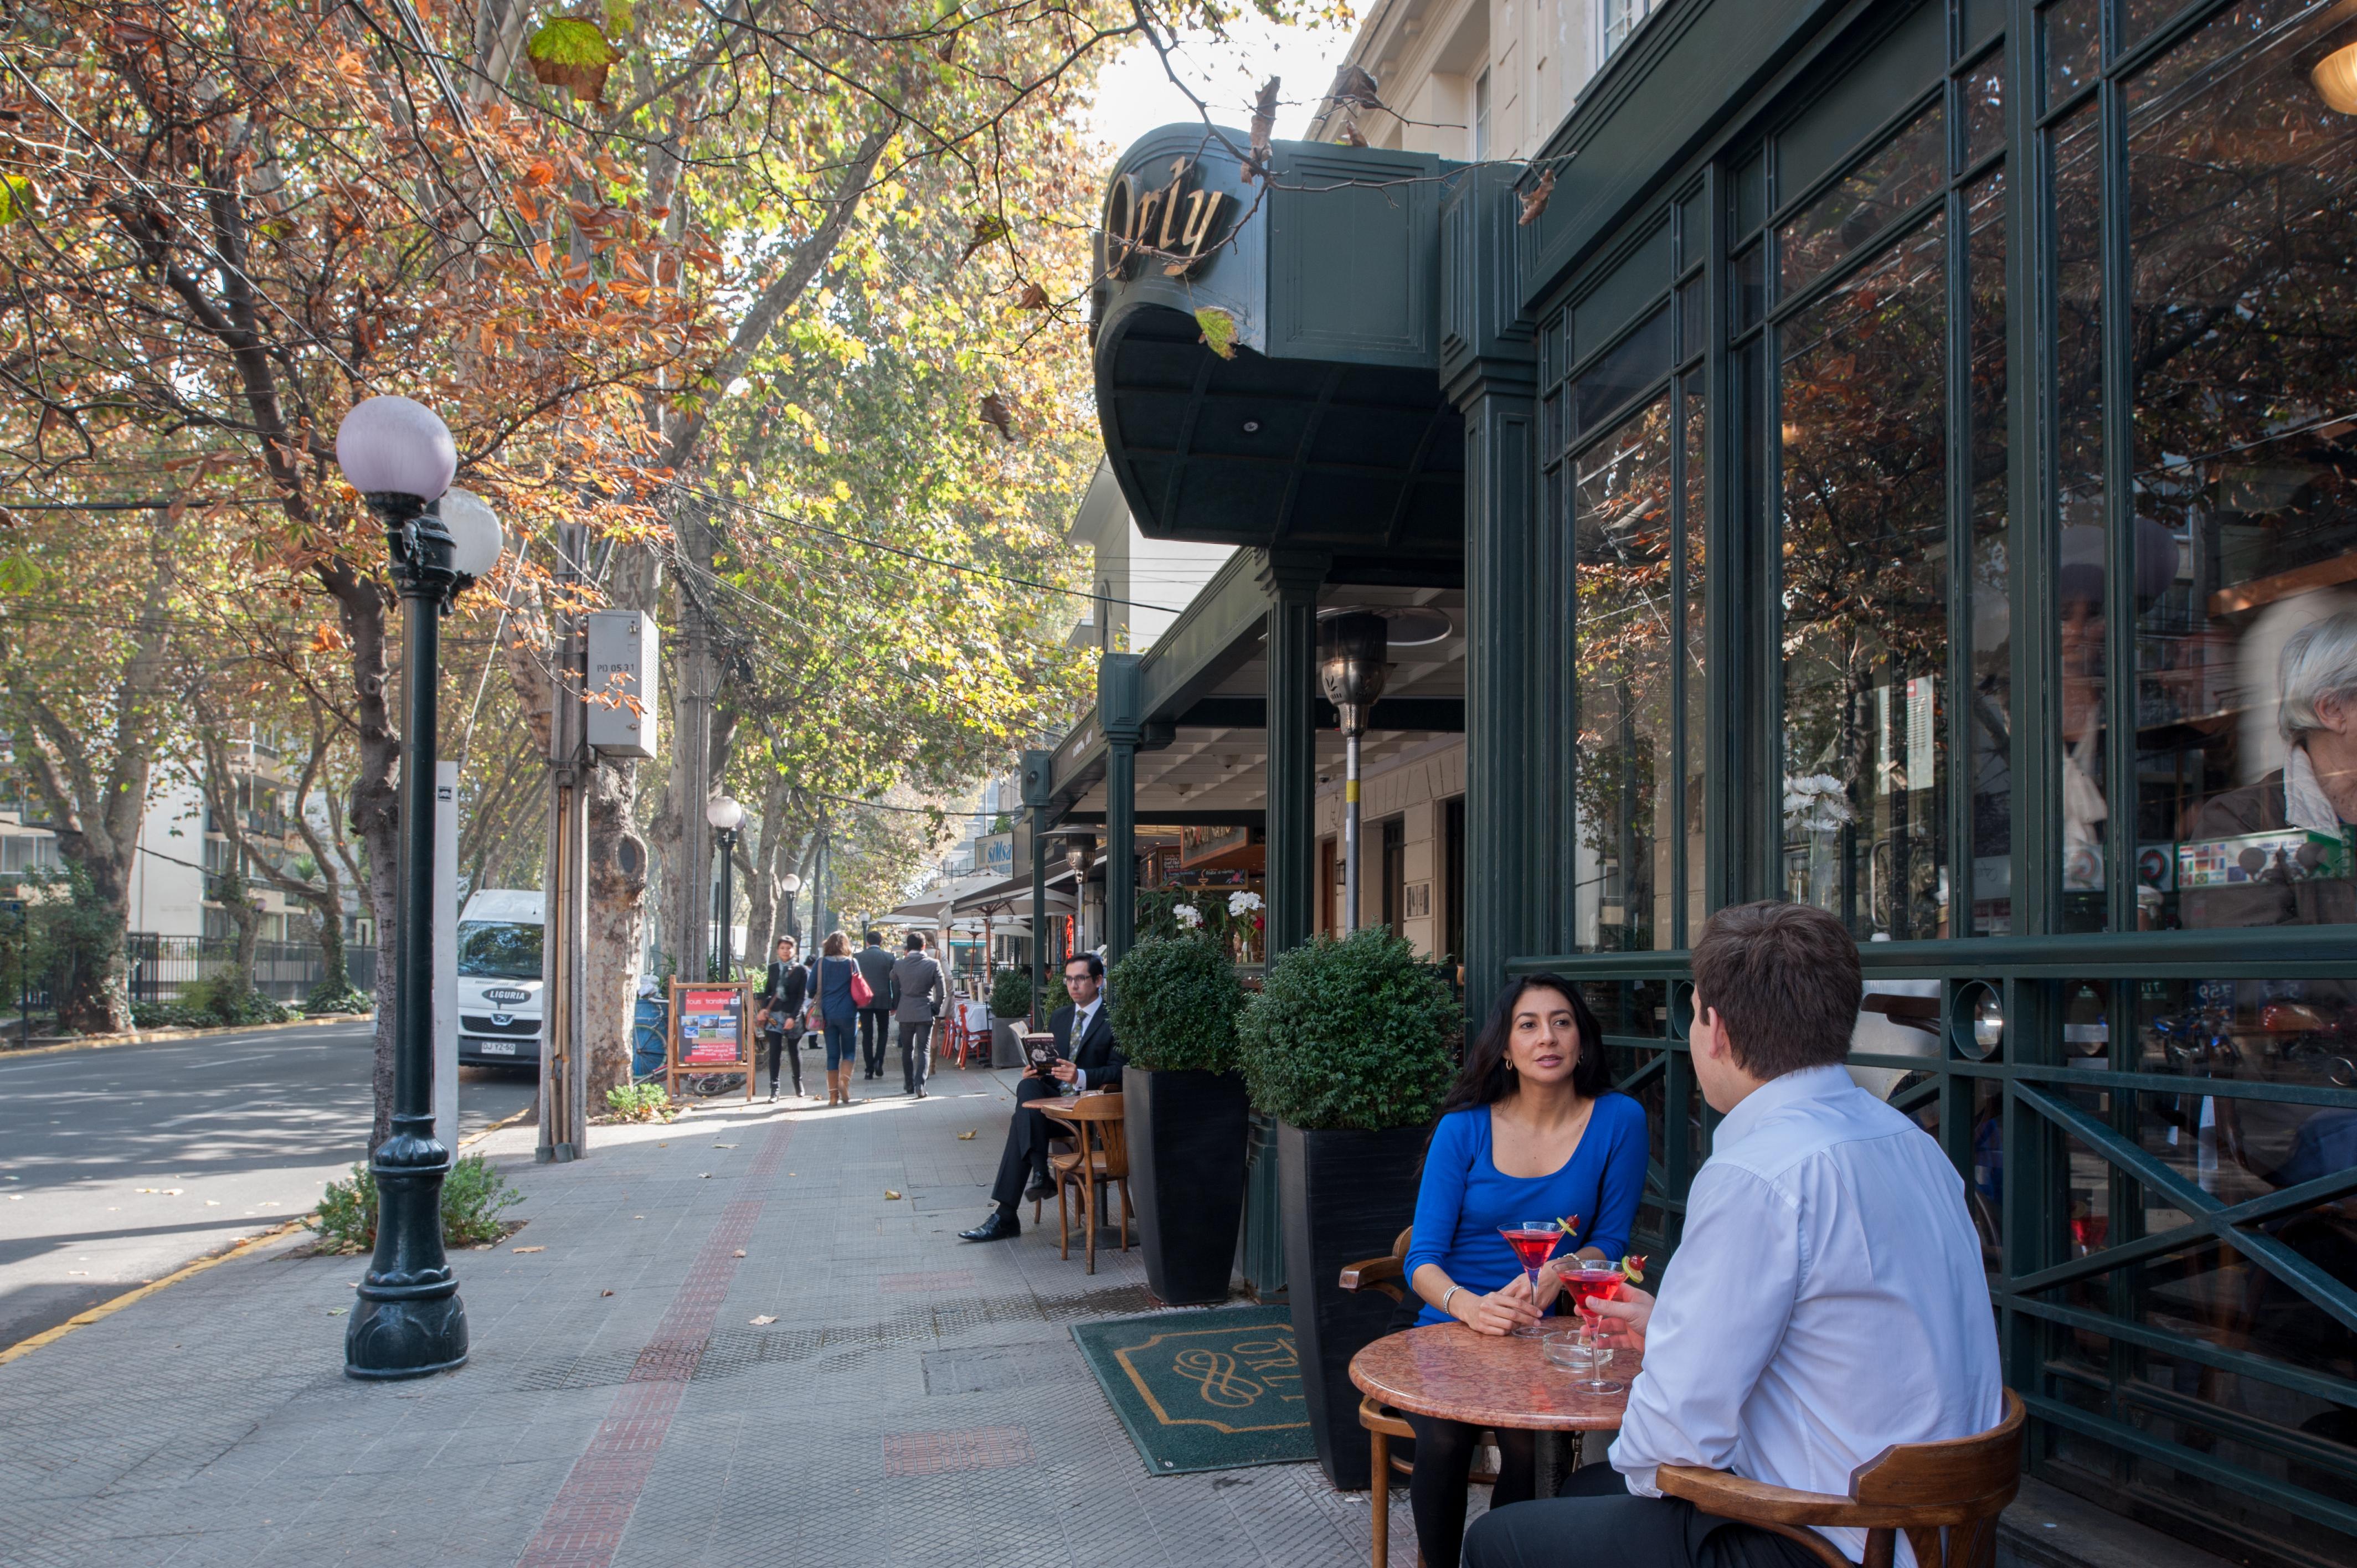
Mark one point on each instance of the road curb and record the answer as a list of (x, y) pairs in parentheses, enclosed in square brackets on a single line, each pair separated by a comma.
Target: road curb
[(109, 1308), (151, 1036)]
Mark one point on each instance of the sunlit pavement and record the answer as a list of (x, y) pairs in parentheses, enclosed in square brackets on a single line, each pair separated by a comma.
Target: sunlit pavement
[(121, 1163), (858, 1387)]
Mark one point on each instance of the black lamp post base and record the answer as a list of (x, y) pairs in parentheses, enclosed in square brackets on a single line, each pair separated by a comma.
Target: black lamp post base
[(389, 1341)]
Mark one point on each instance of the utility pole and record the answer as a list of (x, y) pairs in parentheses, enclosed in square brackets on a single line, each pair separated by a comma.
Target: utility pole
[(564, 1012)]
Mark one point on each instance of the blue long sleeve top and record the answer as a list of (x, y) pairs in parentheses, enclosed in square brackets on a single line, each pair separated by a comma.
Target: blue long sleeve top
[(835, 989), (1466, 1198)]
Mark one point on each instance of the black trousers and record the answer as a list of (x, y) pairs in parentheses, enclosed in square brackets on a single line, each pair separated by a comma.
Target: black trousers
[(875, 1033), (1436, 1487), (1645, 1532), (916, 1053), (1025, 1158), (776, 1043)]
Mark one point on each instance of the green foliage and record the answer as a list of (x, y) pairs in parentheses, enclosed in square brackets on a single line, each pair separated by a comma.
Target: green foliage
[(640, 1103), (474, 1196), (216, 1002), (1174, 1004), (328, 997), (1010, 993), (1349, 1034)]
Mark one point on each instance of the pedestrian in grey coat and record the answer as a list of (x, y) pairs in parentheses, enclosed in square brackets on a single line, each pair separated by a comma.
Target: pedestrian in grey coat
[(924, 994)]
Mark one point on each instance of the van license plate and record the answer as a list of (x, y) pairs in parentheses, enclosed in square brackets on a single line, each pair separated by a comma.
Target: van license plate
[(498, 1047)]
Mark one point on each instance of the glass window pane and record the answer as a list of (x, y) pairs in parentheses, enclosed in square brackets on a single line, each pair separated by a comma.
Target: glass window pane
[(1690, 320), (1865, 628), (2073, 36), (2080, 571), (1626, 650), (1909, 166), (1747, 288), (1693, 523), (1982, 89), (2243, 214), (1988, 723), (1621, 372)]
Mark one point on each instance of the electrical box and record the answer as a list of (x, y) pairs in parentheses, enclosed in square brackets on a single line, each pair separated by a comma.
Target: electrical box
[(621, 695)]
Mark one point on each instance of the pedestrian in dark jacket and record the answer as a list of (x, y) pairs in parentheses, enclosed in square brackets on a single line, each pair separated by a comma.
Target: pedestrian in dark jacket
[(782, 993), (921, 995), (875, 1014)]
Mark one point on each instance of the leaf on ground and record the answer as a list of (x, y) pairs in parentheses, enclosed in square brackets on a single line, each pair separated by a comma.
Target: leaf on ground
[(738, 1253), (703, 1176), (527, 1248), (724, 1145), (605, 1293), (965, 1138), (762, 1322), (889, 1195), (338, 1311), (1219, 330)]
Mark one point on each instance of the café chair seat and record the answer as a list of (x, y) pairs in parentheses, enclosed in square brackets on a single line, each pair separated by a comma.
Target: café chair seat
[(1945, 1496), (1388, 1276)]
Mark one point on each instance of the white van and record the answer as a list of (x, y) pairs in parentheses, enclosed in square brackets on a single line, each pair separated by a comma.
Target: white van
[(499, 978)]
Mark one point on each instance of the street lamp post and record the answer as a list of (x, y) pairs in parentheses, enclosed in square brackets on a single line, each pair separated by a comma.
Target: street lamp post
[(790, 885), (1352, 670), (727, 816), (398, 456)]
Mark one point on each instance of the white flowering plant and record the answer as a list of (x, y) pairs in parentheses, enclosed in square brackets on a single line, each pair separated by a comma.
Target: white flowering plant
[(1188, 916), (1817, 802), (1243, 902)]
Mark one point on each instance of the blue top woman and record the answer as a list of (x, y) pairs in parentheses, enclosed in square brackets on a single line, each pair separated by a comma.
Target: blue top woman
[(1531, 1130)]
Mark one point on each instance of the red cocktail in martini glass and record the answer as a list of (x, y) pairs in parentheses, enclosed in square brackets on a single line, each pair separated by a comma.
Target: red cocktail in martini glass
[(1594, 1280), (1534, 1241)]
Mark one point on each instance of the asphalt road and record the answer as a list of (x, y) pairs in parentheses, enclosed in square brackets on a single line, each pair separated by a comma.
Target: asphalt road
[(120, 1164)]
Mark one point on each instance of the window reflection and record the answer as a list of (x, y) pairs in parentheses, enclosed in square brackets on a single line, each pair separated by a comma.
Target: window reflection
[(1865, 621), (2083, 559), (1627, 648), (2243, 214), (1910, 166), (1989, 723)]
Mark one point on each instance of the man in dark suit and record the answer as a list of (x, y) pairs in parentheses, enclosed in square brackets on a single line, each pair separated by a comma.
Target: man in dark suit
[(876, 1018), (1087, 1058)]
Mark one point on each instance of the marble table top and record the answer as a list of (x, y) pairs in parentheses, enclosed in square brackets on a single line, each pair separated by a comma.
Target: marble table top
[(1447, 1369)]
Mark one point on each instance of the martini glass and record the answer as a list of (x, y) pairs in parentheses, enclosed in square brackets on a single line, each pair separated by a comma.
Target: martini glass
[(1593, 1280), (1534, 1241)]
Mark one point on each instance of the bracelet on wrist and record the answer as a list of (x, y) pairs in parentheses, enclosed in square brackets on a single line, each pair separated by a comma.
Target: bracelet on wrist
[(1446, 1297)]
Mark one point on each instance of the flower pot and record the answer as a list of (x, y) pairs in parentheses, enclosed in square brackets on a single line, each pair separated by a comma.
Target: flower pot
[(1345, 1195), (1007, 1042), (1186, 1132)]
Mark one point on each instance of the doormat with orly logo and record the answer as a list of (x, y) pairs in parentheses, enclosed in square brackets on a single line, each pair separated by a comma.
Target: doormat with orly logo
[(1204, 1391)]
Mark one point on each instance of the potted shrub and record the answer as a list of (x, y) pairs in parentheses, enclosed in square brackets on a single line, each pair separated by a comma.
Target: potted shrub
[(1347, 1045), (1010, 1009), (1174, 1003)]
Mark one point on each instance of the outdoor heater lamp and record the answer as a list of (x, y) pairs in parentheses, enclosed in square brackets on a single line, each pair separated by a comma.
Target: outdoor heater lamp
[(2335, 77), (789, 884), (398, 454), (1351, 649), (726, 815)]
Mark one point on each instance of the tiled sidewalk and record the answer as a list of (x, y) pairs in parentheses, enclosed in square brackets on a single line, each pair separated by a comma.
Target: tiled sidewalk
[(916, 1399)]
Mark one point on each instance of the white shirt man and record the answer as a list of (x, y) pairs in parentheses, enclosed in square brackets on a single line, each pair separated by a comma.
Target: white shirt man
[(1827, 1298)]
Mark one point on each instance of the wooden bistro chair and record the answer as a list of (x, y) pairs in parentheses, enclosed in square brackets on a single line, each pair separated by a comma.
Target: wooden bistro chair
[(1388, 1275), (1099, 1160), (1945, 1495)]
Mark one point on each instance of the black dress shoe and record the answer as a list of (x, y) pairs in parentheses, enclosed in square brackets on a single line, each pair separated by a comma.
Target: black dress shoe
[(997, 1228), (1039, 1191)]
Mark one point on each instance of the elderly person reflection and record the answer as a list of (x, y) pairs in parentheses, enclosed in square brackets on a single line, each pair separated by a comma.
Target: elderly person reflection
[(2315, 791)]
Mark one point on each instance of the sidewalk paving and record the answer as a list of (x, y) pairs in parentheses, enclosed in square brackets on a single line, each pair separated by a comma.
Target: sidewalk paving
[(917, 1399)]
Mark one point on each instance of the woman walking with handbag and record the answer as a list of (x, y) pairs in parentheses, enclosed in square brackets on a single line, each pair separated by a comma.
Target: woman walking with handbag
[(837, 1009)]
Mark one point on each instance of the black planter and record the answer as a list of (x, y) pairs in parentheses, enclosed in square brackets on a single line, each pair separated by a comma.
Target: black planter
[(1345, 1195), (1186, 1169)]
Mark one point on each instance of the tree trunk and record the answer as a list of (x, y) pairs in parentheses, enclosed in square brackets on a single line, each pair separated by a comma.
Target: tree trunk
[(616, 933), (237, 902)]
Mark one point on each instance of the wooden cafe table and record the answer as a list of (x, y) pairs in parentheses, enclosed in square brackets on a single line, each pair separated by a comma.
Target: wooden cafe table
[(1495, 1381)]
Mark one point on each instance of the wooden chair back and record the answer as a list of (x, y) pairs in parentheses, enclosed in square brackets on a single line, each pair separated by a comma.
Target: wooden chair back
[(1387, 1273), (1945, 1496)]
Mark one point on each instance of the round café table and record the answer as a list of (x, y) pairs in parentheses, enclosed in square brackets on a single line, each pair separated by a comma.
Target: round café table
[(1447, 1369)]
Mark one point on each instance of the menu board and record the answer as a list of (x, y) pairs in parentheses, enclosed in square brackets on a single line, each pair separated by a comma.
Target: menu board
[(710, 1030)]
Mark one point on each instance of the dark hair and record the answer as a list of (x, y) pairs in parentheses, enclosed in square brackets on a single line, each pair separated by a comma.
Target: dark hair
[(1096, 965), (782, 942), (1484, 1081), (1784, 978), (875, 937), (915, 942)]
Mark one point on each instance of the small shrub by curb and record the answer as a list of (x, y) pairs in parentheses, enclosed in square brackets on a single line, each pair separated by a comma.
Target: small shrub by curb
[(639, 1103), (474, 1196), (1174, 1002)]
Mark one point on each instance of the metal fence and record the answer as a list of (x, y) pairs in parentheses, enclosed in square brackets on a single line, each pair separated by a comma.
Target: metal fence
[(162, 967)]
